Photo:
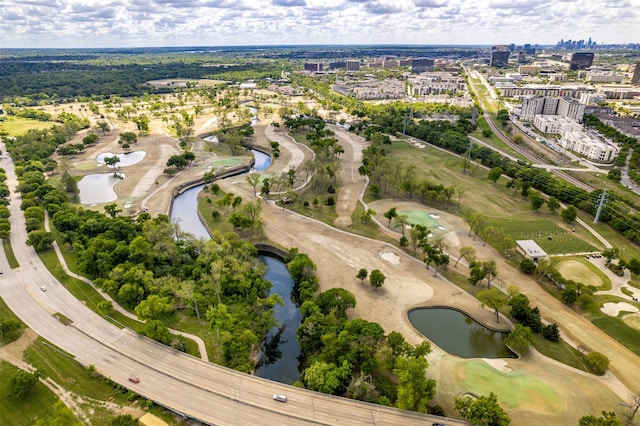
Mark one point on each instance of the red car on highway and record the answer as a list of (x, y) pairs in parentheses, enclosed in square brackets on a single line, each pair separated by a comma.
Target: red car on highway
[(134, 379)]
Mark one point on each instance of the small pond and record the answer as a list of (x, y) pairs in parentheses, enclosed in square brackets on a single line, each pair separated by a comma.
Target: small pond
[(279, 357), (97, 189), (459, 334), (126, 159)]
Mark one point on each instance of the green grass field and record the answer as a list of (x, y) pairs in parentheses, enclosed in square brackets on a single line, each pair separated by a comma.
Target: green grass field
[(15, 126), (8, 252), (513, 389), (563, 240), (222, 162), (25, 411), (580, 270), (616, 328)]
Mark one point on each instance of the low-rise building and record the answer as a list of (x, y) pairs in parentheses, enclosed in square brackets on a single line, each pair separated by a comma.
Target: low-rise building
[(531, 250), (590, 147), (529, 69), (546, 90), (554, 124), (602, 77), (592, 98)]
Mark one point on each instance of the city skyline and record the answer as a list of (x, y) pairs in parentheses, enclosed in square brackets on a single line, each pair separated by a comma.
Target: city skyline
[(148, 23)]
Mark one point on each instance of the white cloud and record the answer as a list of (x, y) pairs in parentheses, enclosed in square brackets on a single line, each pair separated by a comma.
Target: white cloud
[(114, 23)]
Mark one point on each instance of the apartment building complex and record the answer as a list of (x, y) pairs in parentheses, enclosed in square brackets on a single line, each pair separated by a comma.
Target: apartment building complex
[(547, 105), (590, 147)]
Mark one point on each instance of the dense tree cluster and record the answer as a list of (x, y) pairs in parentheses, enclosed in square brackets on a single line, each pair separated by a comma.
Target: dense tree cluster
[(104, 74), (354, 358)]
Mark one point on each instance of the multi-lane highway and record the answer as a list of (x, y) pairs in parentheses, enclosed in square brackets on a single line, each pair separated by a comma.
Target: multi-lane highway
[(185, 384)]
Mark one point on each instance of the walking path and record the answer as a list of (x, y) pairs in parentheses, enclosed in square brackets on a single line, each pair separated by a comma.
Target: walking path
[(201, 346)]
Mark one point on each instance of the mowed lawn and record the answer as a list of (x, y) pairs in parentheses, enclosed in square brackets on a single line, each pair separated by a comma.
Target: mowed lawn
[(502, 207), (582, 271), (553, 236), (15, 126)]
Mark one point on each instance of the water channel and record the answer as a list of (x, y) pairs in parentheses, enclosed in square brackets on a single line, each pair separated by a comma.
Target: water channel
[(279, 360), (186, 204), (459, 334)]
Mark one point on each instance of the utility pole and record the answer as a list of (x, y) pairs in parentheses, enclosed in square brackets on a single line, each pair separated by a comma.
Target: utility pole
[(602, 200)]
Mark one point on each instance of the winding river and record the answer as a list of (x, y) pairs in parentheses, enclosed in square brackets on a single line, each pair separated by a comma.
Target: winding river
[(279, 357)]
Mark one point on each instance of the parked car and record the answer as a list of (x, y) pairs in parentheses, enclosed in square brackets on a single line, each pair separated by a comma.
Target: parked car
[(134, 379), (280, 397)]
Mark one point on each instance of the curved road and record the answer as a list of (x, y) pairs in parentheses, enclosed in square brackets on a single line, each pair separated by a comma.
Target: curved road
[(185, 384)]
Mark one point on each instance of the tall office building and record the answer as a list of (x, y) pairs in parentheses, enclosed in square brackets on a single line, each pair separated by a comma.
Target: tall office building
[(581, 60), (419, 65), (353, 65), (499, 58), (635, 79)]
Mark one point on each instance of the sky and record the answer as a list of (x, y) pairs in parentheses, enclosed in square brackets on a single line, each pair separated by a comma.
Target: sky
[(144, 23)]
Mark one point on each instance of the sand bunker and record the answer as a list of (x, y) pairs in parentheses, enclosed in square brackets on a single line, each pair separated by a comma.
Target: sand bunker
[(613, 309), (499, 364), (434, 215), (390, 257)]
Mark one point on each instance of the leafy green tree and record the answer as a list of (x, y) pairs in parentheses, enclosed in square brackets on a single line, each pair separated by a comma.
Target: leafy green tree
[(469, 254), (376, 278), (336, 301), (128, 138), (90, 139), (157, 330), (569, 295), (254, 180), (21, 383), (569, 214), (527, 266), (112, 162), (362, 275), (40, 240), (414, 389), (607, 419), (520, 339), (9, 325), (537, 200), (598, 363), (112, 209), (615, 175), (326, 377), (493, 298), (390, 215), (495, 173), (482, 411), (551, 332), (154, 307), (553, 204)]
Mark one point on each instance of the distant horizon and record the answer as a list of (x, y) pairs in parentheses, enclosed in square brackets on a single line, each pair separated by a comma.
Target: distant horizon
[(94, 24), (318, 45)]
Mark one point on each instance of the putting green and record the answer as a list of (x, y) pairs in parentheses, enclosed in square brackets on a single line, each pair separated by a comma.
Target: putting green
[(577, 271), (632, 320), (514, 390), (230, 161), (419, 217)]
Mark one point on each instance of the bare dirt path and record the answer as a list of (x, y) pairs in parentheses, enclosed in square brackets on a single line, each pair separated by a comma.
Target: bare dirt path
[(352, 184)]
